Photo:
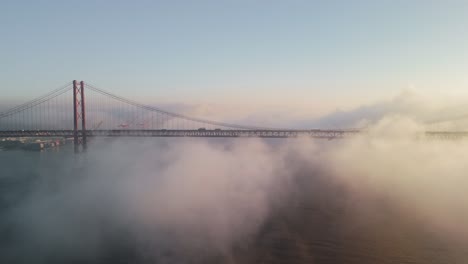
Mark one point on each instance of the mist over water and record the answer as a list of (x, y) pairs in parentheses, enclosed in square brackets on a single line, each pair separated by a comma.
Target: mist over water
[(384, 197)]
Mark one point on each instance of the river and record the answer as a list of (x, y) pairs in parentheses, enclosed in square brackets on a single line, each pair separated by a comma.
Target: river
[(57, 207)]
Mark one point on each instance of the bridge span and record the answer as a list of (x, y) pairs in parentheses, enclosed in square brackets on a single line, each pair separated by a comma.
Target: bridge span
[(259, 133), (215, 133), (66, 112)]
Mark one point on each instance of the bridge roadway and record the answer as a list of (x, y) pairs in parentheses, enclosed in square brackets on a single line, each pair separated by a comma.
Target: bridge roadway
[(260, 133), (183, 133)]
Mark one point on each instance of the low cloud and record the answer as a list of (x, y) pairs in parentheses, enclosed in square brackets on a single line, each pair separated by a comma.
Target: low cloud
[(197, 200), (175, 201), (180, 201), (437, 113)]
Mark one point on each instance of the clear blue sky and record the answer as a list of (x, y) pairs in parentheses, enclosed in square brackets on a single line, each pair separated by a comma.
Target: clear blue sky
[(265, 51)]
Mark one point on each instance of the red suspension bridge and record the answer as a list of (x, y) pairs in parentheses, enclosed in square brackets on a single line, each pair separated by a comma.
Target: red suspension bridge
[(67, 112)]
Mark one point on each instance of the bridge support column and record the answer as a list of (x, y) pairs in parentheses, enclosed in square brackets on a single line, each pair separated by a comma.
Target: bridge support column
[(79, 113), (83, 117)]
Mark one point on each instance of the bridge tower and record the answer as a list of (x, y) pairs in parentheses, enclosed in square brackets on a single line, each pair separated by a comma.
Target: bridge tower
[(79, 113)]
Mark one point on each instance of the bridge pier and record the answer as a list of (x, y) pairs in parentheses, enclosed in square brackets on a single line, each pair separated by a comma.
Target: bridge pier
[(79, 114), (83, 118)]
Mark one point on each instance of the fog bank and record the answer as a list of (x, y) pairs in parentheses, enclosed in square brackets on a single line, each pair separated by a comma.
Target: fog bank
[(175, 201)]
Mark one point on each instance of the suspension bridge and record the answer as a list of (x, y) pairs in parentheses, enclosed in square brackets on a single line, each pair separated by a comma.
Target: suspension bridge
[(67, 112)]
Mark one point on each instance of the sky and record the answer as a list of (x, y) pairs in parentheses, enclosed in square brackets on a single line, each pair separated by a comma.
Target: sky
[(329, 54)]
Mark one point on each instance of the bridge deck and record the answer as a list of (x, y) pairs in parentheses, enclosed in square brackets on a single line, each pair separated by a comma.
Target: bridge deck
[(182, 133), (315, 133)]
